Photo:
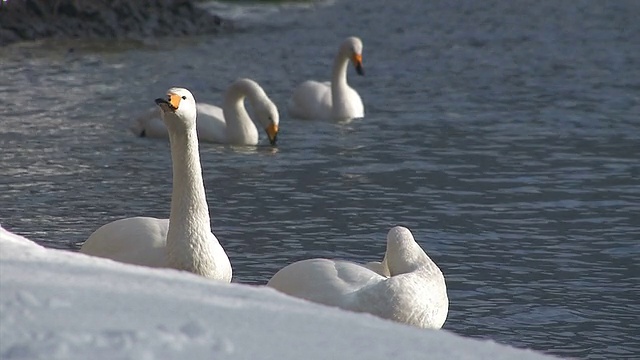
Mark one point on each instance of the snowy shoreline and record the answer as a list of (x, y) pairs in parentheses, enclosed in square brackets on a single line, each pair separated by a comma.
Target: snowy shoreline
[(62, 305)]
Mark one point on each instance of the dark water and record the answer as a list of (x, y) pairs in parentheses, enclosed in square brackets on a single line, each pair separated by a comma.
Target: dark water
[(506, 135)]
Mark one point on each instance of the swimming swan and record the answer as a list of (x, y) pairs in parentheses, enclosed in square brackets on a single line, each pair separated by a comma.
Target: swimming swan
[(230, 124), (414, 293), (184, 241), (334, 100)]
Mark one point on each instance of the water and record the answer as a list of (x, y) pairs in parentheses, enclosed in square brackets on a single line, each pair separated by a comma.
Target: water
[(504, 134)]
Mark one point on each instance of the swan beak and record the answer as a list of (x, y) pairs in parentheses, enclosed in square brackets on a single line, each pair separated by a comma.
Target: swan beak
[(170, 103), (357, 62), (272, 132)]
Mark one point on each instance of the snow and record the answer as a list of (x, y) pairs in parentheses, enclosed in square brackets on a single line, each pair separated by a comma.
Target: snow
[(58, 304)]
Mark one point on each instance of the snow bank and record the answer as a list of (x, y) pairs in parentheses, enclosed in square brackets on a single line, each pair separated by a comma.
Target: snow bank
[(62, 305)]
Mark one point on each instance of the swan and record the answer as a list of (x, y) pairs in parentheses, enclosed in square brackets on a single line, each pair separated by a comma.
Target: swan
[(334, 100), (414, 291), (230, 124), (184, 241)]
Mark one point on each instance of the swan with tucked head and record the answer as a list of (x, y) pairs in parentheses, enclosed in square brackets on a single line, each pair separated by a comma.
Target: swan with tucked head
[(184, 241), (407, 286), (230, 124), (334, 100)]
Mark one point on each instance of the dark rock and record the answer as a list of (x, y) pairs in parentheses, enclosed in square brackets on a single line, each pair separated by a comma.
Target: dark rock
[(9, 35), (36, 19)]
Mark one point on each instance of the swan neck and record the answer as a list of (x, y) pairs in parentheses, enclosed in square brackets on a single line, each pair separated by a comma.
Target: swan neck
[(408, 260), (239, 123), (189, 222), (339, 75)]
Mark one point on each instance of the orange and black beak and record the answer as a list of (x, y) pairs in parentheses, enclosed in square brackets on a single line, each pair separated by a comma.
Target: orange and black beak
[(272, 133), (171, 102), (357, 62)]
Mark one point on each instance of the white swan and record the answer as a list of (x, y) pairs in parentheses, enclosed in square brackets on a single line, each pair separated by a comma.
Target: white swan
[(230, 124), (184, 241), (414, 293), (334, 100)]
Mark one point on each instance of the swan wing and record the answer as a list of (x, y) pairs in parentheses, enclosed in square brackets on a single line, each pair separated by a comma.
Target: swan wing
[(378, 267), (311, 100), (323, 281), (211, 124), (136, 240), (149, 124)]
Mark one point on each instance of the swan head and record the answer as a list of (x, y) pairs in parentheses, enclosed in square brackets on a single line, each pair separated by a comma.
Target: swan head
[(264, 111), (403, 252), (352, 47), (423, 299), (178, 107), (267, 114)]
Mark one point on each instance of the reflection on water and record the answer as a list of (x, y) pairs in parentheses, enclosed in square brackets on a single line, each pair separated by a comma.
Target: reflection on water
[(506, 137)]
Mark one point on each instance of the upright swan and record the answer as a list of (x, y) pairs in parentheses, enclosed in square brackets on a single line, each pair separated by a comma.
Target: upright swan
[(230, 124), (184, 241), (334, 100), (414, 291)]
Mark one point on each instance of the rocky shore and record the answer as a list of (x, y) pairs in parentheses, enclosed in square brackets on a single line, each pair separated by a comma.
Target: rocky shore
[(22, 20)]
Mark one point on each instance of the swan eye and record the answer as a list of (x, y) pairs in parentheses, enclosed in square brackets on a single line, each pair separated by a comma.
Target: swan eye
[(184, 97)]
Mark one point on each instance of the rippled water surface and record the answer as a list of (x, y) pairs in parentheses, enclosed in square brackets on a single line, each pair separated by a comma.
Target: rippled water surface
[(506, 135)]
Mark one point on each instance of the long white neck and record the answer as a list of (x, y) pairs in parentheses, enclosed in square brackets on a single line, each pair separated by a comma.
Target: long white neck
[(240, 127), (339, 86), (189, 223)]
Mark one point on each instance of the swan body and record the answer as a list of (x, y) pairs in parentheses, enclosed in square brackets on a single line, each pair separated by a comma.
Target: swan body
[(184, 241), (230, 124), (334, 100), (413, 293)]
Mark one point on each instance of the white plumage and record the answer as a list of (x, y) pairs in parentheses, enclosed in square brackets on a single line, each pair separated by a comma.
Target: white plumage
[(230, 124), (184, 241), (407, 286), (334, 100)]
